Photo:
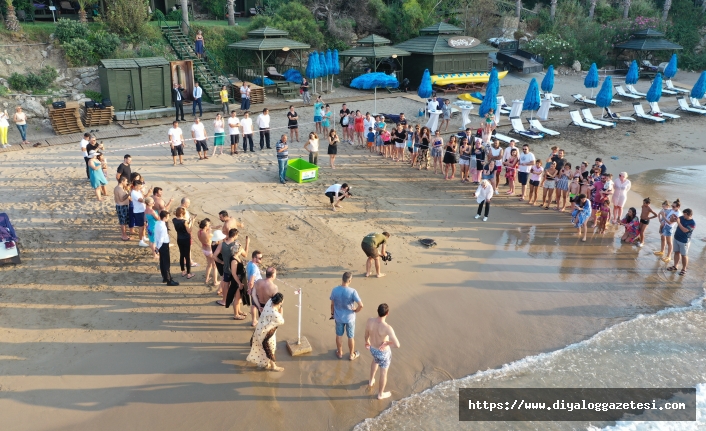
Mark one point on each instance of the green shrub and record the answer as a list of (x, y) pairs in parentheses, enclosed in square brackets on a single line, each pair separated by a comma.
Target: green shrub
[(67, 30), (217, 40), (32, 82), (217, 8), (174, 15), (552, 48), (128, 18), (79, 52), (93, 95), (4, 91), (605, 13), (104, 43)]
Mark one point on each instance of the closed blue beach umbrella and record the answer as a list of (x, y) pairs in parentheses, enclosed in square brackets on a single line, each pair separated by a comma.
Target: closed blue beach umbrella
[(548, 81), (700, 87), (424, 91), (671, 68), (336, 64), (323, 70), (532, 99), (605, 95), (633, 74), (329, 62), (655, 91), (311, 65), (490, 101), (591, 80)]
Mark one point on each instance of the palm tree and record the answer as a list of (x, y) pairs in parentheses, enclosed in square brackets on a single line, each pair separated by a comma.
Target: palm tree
[(552, 10), (665, 10), (231, 12), (592, 9), (11, 22), (518, 8), (82, 10), (626, 9), (185, 16)]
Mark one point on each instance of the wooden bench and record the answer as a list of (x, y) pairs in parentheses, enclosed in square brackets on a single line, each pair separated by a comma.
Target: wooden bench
[(450, 88)]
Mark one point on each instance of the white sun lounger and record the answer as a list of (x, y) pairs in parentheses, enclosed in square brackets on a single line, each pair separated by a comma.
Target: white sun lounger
[(668, 92), (504, 138), (632, 90), (551, 96), (577, 121), (610, 115), (670, 86), (588, 115), (622, 93), (559, 105), (640, 113), (654, 108), (683, 106), (503, 107), (695, 104), (580, 98), (536, 125), (519, 128)]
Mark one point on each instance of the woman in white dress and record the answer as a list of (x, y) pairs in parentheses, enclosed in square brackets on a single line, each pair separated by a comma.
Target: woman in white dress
[(264, 341), (620, 196)]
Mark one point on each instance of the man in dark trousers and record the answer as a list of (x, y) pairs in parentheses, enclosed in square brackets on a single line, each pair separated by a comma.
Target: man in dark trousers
[(178, 101), (161, 243), (198, 92)]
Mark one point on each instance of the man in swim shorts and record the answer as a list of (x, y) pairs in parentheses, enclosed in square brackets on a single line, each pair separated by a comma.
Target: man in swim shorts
[(379, 337), (370, 245)]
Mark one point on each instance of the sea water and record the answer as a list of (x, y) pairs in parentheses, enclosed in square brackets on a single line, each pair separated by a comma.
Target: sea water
[(661, 350)]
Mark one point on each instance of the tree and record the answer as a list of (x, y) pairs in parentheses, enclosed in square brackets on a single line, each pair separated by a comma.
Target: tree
[(665, 10), (11, 22), (552, 10), (231, 13), (185, 16), (626, 8), (518, 8), (592, 9), (82, 9)]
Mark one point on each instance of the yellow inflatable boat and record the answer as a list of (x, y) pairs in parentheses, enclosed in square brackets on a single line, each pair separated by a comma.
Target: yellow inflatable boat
[(464, 78)]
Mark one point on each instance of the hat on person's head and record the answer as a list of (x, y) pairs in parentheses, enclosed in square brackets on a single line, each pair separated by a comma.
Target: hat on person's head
[(92, 154), (218, 236)]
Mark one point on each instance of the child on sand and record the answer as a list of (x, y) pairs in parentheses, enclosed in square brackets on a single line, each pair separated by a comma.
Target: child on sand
[(667, 225), (511, 165), (602, 215), (385, 134), (646, 214), (371, 139), (574, 189)]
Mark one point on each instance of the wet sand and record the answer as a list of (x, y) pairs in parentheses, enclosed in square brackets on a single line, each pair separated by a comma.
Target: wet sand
[(92, 340)]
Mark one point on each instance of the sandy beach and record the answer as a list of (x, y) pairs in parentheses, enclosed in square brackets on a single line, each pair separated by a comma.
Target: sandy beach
[(92, 340)]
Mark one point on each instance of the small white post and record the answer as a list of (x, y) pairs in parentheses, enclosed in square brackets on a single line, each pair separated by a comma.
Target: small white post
[(299, 329)]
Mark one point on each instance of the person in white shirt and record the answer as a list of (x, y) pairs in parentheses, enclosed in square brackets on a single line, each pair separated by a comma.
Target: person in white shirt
[(243, 97), (197, 93), (138, 209), (84, 143), (263, 123), (368, 122), (433, 105), (176, 142), (247, 96), (312, 146), (506, 156), (336, 193), (483, 196), (161, 243), (527, 160), (246, 124), (233, 132), (200, 136)]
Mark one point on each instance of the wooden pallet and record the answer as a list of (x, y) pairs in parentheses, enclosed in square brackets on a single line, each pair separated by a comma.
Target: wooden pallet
[(98, 117), (66, 120), (257, 93)]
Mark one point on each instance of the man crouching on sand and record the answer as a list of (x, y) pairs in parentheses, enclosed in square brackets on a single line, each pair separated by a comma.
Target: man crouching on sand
[(378, 333), (370, 245)]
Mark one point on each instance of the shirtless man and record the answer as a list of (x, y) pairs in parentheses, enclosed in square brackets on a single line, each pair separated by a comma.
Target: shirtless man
[(229, 222), (159, 204), (379, 337), (264, 289)]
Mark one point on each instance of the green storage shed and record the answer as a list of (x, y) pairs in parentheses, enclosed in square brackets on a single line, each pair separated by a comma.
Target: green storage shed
[(435, 49), (118, 79), (155, 82)]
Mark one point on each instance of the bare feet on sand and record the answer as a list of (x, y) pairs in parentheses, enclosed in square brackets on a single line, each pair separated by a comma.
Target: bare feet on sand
[(380, 275), (371, 383), (384, 395)]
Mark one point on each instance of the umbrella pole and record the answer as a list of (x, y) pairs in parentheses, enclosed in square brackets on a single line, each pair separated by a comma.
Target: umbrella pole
[(376, 100)]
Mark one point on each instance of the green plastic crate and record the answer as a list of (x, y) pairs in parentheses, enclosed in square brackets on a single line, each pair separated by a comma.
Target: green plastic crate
[(301, 171)]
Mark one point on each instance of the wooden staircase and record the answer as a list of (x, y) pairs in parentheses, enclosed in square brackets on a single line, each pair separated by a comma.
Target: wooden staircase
[(184, 48)]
